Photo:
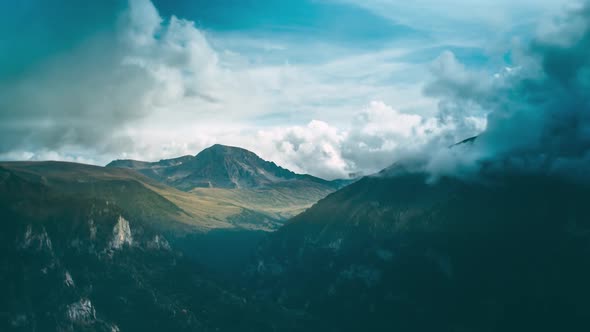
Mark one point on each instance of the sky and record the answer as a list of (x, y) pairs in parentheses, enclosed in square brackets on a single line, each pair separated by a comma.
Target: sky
[(326, 87)]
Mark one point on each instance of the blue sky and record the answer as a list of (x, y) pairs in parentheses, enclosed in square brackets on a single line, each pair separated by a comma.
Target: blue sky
[(328, 87)]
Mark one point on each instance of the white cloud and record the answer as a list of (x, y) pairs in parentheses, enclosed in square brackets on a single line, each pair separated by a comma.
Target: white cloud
[(140, 22), (378, 136), (380, 119), (374, 137), (195, 83), (315, 148)]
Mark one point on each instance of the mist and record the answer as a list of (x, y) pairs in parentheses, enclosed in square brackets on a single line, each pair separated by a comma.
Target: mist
[(536, 107)]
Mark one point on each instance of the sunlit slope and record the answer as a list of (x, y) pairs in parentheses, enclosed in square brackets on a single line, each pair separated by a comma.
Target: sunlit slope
[(283, 200), (221, 166), (27, 182), (234, 185)]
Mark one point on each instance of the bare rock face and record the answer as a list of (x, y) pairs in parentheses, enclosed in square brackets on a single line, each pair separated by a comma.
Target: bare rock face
[(81, 312), (121, 234), (68, 280), (39, 241), (92, 229), (158, 243)]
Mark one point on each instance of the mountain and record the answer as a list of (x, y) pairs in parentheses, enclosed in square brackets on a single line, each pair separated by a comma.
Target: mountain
[(220, 166), (201, 210), (139, 195), (85, 248), (238, 177), (215, 226), (396, 252)]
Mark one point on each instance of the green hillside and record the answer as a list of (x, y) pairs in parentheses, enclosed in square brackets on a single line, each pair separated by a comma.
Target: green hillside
[(234, 186), (390, 251), (28, 182)]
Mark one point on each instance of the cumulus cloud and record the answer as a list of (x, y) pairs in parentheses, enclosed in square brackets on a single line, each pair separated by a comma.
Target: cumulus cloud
[(377, 136), (538, 111), (530, 115), (74, 99), (315, 148), (89, 99)]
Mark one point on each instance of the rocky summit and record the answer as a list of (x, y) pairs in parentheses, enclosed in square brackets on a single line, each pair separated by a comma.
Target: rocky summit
[(220, 166)]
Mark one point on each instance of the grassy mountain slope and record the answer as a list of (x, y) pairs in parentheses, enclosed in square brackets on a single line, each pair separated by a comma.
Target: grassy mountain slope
[(219, 166), (224, 177), (135, 193), (396, 253), (73, 259)]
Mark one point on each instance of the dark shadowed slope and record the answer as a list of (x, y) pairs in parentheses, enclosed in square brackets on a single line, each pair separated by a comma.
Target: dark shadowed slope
[(396, 253)]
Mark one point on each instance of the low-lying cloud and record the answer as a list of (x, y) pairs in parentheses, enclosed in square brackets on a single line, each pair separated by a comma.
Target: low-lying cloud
[(377, 136), (538, 110)]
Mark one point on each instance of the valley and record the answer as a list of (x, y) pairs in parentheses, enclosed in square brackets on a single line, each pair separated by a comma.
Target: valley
[(229, 186), (76, 237), (459, 252)]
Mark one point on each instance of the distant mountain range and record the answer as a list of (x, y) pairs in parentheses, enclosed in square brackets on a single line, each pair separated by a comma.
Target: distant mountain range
[(236, 177), (220, 188), (221, 166)]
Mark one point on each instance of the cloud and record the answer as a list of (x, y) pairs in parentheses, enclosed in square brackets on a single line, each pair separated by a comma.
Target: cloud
[(462, 19), (538, 110), (90, 99), (78, 99), (314, 148), (161, 80), (530, 115), (155, 87), (377, 136)]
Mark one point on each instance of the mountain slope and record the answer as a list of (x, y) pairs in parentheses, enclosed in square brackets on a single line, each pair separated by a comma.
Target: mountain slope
[(76, 260), (238, 177), (137, 194), (449, 256), (219, 166)]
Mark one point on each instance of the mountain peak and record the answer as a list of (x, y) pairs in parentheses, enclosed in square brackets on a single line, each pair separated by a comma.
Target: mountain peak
[(223, 166), (220, 166), (218, 146), (227, 150)]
